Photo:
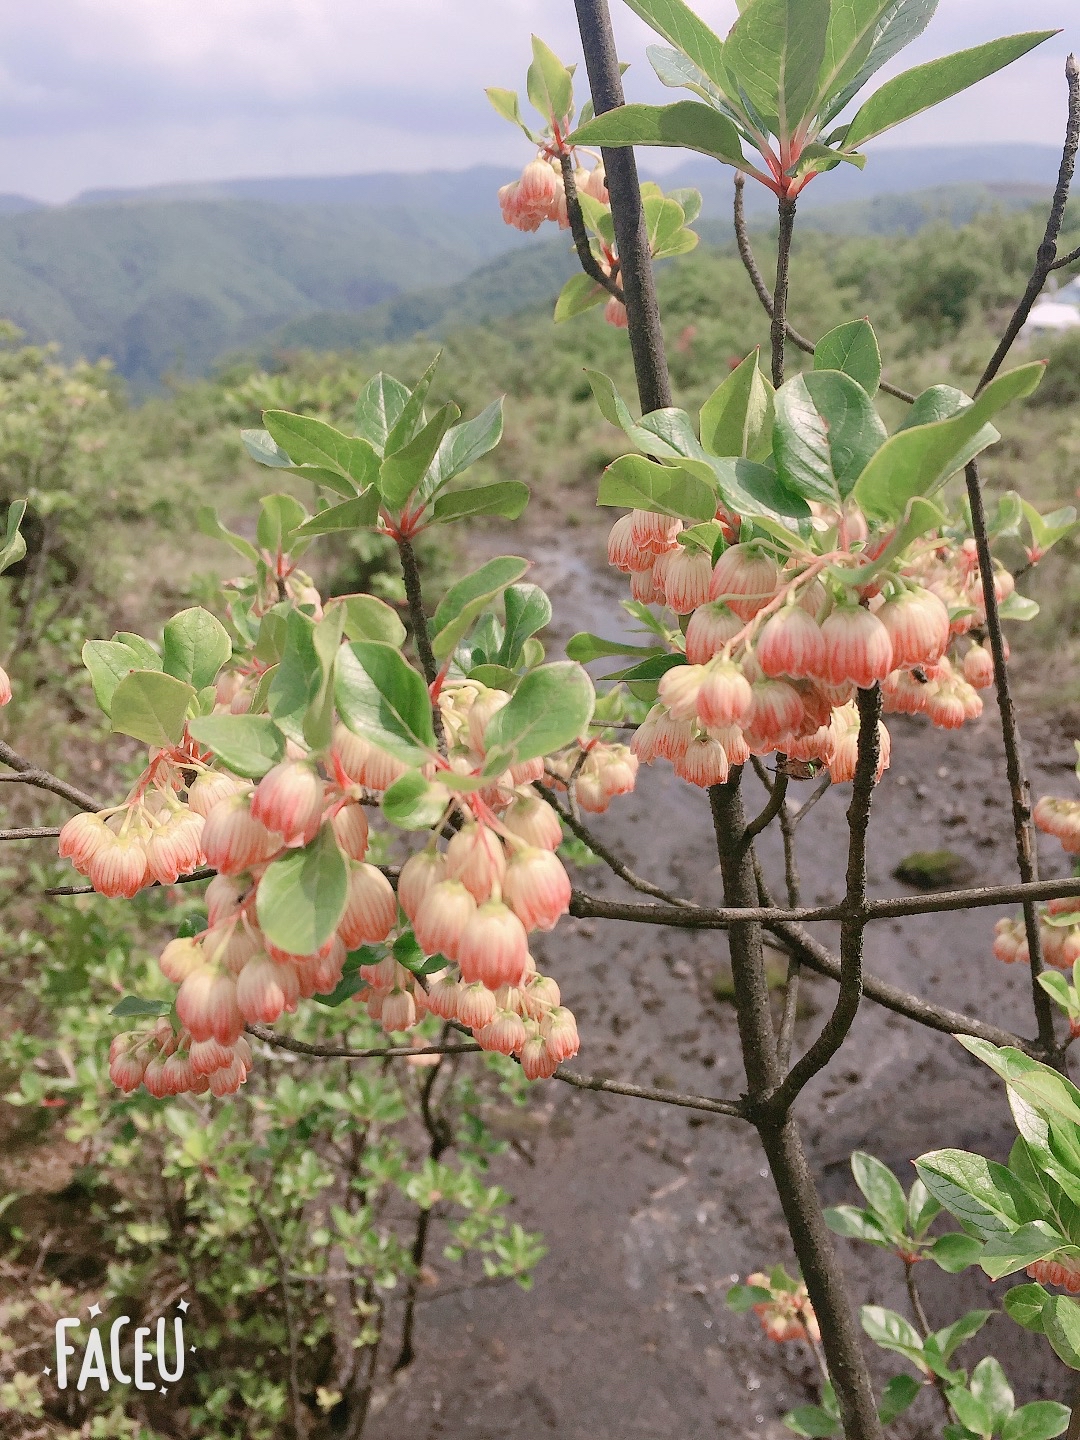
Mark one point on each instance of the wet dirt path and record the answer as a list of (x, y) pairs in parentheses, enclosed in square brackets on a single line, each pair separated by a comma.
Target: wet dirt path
[(650, 1213)]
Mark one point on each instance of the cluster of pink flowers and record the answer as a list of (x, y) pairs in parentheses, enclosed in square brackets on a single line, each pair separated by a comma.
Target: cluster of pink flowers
[(776, 656), (1060, 941), (1060, 818), (539, 194), (788, 1314), (1057, 1272), (168, 1062), (474, 902)]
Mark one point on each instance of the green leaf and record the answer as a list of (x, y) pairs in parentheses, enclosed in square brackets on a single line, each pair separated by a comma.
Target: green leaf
[(507, 498), (279, 516), (686, 125), (508, 105), (263, 448), (775, 52), (134, 1005), (359, 513), (681, 27), (1061, 1325), (301, 897), (196, 646), (248, 745), (1051, 1094), (528, 610), (308, 441), (149, 659), (816, 159), (971, 1413), (412, 418), (955, 1252), (664, 223), (463, 445), (379, 408), (926, 85), (855, 1224), (1018, 607), (381, 697), (636, 483), (990, 1387), (464, 601), (892, 1332), (151, 707), (585, 647), (899, 1393), (922, 1208), (811, 1420), (755, 491), (737, 418), (550, 708), (402, 471), (207, 523), (368, 618), (1005, 1254), (980, 1193), (1025, 1304), (580, 293), (678, 72), (12, 546), (108, 661), (853, 349), (413, 803), (882, 1190), (549, 84), (825, 433), (917, 460), (296, 678), (318, 724), (1041, 1420), (899, 22), (949, 1340)]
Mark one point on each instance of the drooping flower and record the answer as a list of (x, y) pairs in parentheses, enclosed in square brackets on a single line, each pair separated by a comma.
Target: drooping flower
[(746, 578), (537, 888), (493, 947), (233, 840), (371, 909), (857, 647)]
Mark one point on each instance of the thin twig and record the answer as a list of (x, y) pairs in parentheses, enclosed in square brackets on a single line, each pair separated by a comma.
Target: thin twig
[(689, 916), (822, 789), (777, 790), (598, 1083), (934, 1017), (586, 258), (836, 1028), (30, 774), (1047, 252), (31, 832), (746, 255), (627, 212), (601, 851), (924, 1326)]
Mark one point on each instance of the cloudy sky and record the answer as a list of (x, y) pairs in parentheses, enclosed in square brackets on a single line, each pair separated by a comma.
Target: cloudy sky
[(135, 92)]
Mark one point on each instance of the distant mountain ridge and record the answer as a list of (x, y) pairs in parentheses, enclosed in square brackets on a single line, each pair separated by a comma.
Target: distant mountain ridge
[(176, 277)]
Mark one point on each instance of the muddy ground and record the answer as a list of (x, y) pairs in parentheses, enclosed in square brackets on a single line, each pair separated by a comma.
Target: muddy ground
[(649, 1212)]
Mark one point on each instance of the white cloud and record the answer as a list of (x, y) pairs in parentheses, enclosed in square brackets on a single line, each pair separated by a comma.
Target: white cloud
[(115, 92)]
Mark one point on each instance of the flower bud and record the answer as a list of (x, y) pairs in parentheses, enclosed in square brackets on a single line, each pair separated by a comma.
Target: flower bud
[(398, 1011), (979, 667), (678, 690), (493, 947), (475, 1005), (705, 763), (537, 888), (364, 763), (350, 827), (233, 840), (503, 1034), (791, 644), (685, 576), (440, 921), (534, 821), (918, 625), (211, 786), (746, 578), (265, 989), (179, 958), (174, 848), (118, 865), (419, 873), (711, 627), (537, 1061), (559, 1029), (206, 1004), (289, 800), (475, 856), (857, 647), (725, 696), (81, 838), (371, 909)]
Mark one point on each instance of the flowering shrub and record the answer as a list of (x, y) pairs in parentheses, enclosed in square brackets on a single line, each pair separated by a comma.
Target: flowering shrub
[(378, 808)]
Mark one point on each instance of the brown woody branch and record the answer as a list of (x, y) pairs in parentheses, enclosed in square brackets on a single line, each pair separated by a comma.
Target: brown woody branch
[(570, 1077), (27, 773), (586, 258), (746, 255)]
